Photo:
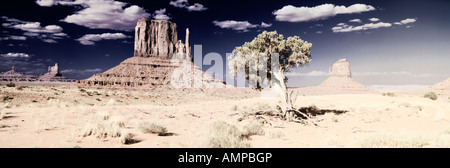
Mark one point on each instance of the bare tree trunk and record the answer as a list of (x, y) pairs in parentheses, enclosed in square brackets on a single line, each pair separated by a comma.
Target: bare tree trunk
[(286, 101)]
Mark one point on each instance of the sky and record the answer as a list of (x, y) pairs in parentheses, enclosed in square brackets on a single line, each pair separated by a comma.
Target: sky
[(395, 42)]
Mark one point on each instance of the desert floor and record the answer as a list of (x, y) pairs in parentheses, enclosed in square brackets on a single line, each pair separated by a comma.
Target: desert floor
[(58, 116)]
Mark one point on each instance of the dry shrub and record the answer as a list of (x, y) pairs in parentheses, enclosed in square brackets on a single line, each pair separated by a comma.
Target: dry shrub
[(252, 129), (10, 84), (276, 134), (430, 95), (126, 138), (21, 87), (147, 127), (224, 135), (390, 94), (111, 128), (103, 115)]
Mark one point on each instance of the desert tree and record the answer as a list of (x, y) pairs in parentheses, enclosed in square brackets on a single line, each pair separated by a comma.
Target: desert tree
[(265, 60)]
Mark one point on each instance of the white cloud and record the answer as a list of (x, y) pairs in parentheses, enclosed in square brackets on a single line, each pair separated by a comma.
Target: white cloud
[(34, 29), (291, 13), (101, 14), (355, 20), (161, 15), (14, 38), (37, 28), (319, 32), (265, 25), (16, 55), (49, 41), (185, 4), (374, 19), (60, 34), (347, 28), (90, 39), (408, 20), (309, 74), (235, 25), (46, 3)]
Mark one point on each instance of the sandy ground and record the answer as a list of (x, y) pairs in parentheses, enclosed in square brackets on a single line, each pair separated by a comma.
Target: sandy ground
[(56, 116)]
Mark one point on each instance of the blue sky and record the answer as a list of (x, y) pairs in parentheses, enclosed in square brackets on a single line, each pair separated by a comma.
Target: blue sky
[(394, 42)]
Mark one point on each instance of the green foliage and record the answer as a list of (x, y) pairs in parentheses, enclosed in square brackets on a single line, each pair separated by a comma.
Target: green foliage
[(255, 56), (430, 95)]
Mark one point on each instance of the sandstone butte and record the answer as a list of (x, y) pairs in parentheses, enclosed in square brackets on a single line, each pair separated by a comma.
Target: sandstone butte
[(340, 80), (53, 75), (156, 43)]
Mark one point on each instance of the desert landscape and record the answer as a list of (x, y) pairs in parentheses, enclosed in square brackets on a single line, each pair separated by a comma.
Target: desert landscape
[(162, 96), (58, 116)]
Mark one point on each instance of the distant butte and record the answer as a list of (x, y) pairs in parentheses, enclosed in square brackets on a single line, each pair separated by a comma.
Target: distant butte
[(340, 80), (52, 75)]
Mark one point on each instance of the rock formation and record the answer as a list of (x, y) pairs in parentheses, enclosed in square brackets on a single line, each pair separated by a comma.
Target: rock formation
[(442, 87), (340, 69), (53, 75), (156, 43), (158, 38), (340, 80), (14, 76)]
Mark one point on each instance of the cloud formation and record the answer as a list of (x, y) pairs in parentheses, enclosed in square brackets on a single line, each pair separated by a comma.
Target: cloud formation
[(14, 38), (47, 34), (242, 26), (291, 13), (342, 27), (16, 55), (90, 39), (374, 19), (407, 21), (185, 4), (355, 20), (265, 25), (100, 14), (161, 15)]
